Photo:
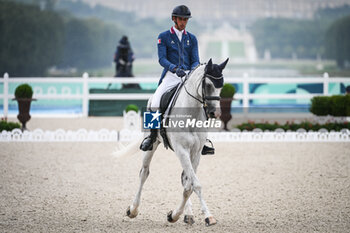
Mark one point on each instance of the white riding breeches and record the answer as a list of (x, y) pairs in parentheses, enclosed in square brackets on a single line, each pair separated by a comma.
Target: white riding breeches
[(169, 81)]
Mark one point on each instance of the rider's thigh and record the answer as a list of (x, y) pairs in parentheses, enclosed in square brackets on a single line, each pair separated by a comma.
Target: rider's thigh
[(169, 81)]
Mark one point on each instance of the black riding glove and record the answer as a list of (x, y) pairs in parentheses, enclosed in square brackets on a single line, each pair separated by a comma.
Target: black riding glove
[(180, 72)]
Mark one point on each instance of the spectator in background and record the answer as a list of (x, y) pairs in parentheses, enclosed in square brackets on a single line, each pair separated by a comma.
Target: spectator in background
[(347, 90), (123, 58)]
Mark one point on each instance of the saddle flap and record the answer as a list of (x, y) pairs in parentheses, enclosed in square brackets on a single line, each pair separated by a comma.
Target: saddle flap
[(167, 101), (166, 98)]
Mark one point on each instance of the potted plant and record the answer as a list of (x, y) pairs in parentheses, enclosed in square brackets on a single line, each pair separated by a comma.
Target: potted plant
[(132, 107), (131, 117), (23, 95), (226, 94)]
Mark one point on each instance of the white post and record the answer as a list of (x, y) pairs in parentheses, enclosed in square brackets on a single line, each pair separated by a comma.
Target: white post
[(6, 94), (85, 94), (245, 94), (245, 91), (325, 83)]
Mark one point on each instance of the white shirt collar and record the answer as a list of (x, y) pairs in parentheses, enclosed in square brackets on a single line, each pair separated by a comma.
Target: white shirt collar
[(178, 33)]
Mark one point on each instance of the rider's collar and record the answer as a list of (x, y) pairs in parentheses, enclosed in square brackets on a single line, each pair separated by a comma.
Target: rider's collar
[(172, 30)]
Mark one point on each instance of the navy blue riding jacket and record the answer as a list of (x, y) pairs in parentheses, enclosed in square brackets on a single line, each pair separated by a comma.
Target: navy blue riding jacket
[(173, 53)]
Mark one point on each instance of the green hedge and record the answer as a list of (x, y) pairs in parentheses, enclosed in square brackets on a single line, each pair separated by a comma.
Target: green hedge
[(337, 105), (293, 126), (8, 126), (320, 105)]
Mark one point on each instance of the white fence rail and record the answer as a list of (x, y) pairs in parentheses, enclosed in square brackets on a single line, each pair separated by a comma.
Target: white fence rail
[(85, 96), (125, 135)]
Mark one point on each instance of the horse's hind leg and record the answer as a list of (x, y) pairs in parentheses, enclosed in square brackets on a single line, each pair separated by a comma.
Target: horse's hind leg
[(132, 210), (197, 188)]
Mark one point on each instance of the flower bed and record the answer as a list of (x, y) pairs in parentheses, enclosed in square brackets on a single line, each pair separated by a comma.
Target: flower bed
[(291, 126), (8, 126)]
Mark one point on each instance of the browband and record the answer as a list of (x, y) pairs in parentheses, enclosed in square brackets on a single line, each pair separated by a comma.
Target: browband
[(210, 76)]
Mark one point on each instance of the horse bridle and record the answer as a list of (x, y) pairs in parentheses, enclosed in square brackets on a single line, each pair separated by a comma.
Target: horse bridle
[(204, 97)]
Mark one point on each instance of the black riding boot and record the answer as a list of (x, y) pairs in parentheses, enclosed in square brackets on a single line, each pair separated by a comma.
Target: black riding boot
[(147, 143), (207, 150)]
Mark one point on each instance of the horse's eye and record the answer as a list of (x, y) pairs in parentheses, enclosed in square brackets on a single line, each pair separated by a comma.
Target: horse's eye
[(209, 88)]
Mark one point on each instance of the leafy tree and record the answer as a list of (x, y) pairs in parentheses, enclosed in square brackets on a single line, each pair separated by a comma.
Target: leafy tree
[(332, 14), (34, 39), (88, 43), (284, 37), (31, 40), (338, 41), (142, 32), (304, 38)]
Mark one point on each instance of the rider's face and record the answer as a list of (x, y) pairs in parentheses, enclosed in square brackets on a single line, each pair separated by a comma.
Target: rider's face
[(180, 23)]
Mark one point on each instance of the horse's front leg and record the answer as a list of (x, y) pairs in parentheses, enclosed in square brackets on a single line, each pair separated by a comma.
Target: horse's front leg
[(189, 217), (132, 210), (184, 157)]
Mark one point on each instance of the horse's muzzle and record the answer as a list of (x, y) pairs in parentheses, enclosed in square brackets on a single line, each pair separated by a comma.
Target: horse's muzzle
[(214, 113)]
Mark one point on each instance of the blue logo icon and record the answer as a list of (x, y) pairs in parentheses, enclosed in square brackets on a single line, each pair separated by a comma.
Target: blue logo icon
[(151, 120)]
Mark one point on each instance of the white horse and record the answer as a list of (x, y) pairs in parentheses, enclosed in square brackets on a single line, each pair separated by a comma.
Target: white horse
[(201, 89)]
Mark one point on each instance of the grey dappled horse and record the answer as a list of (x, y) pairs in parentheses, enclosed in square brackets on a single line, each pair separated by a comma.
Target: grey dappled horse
[(202, 88)]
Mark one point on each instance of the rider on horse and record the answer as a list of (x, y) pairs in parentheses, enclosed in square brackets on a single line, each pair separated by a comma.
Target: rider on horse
[(178, 54)]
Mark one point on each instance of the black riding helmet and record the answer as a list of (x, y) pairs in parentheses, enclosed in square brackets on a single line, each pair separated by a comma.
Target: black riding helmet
[(181, 11)]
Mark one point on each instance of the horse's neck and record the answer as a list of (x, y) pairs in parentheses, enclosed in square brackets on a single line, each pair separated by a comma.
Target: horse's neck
[(193, 86)]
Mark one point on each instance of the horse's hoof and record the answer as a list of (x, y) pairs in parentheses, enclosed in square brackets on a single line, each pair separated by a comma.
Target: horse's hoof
[(189, 219), (170, 218), (210, 221), (129, 214)]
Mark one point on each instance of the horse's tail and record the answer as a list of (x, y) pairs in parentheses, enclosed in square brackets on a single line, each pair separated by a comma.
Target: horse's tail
[(130, 149)]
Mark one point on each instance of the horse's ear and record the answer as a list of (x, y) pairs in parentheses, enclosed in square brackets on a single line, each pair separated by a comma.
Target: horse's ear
[(222, 65), (209, 65)]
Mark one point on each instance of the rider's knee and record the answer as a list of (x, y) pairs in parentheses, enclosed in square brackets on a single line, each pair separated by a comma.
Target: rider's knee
[(154, 105)]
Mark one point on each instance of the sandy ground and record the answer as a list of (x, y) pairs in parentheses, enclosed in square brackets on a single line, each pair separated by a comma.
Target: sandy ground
[(249, 187)]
